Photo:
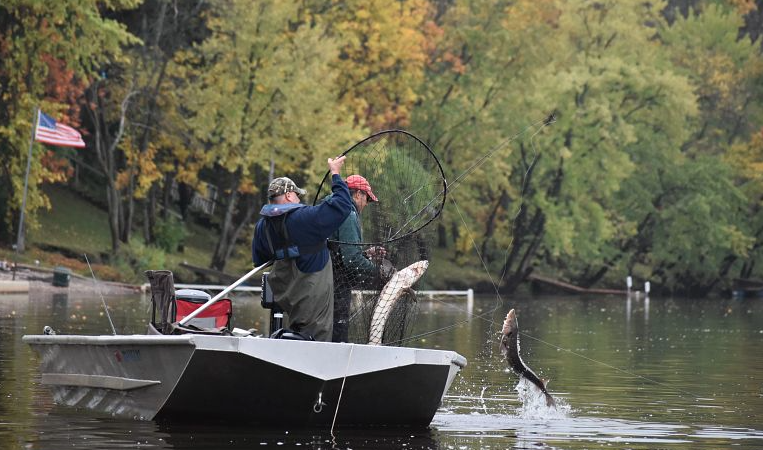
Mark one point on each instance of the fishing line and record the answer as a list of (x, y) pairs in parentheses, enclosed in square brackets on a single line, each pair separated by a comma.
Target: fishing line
[(484, 315), (481, 160), (451, 186), (635, 375), (546, 121), (499, 300), (98, 288)]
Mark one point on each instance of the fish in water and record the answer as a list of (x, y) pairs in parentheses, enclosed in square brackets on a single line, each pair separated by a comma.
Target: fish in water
[(510, 349), (399, 284)]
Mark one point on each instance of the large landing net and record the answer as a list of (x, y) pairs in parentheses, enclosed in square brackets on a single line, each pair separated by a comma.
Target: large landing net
[(374, 273)]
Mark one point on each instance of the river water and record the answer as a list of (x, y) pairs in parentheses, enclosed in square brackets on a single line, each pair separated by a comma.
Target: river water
[(628, 374)]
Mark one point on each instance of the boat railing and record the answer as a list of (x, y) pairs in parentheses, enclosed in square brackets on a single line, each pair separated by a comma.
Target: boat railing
[(468, 293)]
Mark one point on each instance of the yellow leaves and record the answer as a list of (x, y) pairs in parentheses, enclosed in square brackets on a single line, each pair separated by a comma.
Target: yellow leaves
[(141, 168), (384, 53), (739, 243), (248, 186), (747, 157), (362, 14), (464, 244), (525, 14)]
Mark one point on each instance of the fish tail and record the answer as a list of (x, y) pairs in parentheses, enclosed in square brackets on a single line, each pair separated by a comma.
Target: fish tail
[(550, 402)]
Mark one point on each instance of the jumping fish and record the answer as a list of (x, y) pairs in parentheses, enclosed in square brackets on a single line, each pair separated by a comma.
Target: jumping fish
[(510, 349), (399, 284)]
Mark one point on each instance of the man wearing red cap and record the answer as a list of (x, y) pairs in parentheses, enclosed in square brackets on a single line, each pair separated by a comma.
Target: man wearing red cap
[(352, 266)]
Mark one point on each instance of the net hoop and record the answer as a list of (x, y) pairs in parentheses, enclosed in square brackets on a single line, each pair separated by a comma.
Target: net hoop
[(433, 202)]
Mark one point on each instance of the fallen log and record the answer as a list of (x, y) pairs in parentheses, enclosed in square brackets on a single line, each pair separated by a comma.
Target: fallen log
[(571, 288)]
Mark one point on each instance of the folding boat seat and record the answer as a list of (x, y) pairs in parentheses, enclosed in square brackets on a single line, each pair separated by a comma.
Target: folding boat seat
[(170, 307), (217, 315)]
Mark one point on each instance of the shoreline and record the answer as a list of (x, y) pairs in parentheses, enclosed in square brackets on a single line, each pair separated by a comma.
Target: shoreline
[(40, 279)]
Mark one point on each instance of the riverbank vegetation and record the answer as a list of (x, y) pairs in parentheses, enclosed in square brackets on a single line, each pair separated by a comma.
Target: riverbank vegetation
[(651, 167)]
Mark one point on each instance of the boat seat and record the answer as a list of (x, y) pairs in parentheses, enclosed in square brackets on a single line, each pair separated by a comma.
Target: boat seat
[(170, 306), (217, 315)]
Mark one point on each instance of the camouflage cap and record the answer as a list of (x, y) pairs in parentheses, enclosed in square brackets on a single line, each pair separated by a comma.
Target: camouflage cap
[(282, 185)]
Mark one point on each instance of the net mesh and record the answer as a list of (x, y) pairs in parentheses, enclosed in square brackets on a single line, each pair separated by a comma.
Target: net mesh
[(377, 255)]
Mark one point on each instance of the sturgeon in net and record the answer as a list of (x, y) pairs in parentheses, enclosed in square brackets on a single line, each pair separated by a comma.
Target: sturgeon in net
[(510, 349), (396, 287)]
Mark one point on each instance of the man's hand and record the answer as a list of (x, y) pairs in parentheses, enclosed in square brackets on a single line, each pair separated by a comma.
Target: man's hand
[(335, 164), (375, 252)]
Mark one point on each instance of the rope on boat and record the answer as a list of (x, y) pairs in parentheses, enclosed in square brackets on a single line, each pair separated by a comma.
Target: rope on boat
[(341, 390)]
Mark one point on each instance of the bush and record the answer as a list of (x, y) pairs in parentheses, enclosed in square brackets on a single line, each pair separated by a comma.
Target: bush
[(169, 234), (135, 258)]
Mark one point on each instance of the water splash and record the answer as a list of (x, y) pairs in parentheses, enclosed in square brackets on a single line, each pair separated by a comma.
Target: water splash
[(534, 403)]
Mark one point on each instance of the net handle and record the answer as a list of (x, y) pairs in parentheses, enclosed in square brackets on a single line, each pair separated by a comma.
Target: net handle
[(442, 193)]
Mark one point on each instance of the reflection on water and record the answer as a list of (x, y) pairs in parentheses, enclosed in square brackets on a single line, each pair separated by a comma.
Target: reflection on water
[(627, 373)]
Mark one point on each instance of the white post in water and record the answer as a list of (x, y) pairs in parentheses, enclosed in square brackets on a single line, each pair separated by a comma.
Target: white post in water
[(629, 283), (647, 288)]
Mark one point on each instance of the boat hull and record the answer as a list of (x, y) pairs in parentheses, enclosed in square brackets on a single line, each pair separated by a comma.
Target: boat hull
[(269, 381)]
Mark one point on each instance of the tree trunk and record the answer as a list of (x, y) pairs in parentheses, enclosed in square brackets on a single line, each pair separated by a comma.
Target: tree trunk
[(129, 212), (167, 195), (490, 225), (113, 202), (442, 235), (250, 209), (149, 215), (185, 197), (106, 149), (227, 230)]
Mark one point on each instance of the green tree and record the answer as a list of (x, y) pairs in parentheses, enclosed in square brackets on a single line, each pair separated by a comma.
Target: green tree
[(38, 40), (611, 113), (254, 105)]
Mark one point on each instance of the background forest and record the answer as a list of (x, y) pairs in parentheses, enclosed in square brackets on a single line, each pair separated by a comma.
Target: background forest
[(654, 166)]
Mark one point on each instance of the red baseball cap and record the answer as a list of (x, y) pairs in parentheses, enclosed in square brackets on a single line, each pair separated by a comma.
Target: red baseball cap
[(361, 184)]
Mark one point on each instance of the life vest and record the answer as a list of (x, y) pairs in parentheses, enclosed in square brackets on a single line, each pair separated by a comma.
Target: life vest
[(275, 216)]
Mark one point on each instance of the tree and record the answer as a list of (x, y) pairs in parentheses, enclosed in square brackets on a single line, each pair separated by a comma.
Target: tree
[(251, 98), (610, 113), (47, 51), (383, 50), (157, 138)]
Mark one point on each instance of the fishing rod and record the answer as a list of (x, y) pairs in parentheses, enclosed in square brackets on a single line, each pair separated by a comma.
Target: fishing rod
[(225, 291), (98, 288)]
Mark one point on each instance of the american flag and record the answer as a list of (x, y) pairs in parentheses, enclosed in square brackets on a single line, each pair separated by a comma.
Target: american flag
[(51, 132)]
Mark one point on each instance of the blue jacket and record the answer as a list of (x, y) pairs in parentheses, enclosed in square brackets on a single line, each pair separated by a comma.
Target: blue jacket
[(307, 226)]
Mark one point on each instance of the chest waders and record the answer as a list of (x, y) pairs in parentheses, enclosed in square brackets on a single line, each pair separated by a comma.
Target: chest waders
[(306, 298)]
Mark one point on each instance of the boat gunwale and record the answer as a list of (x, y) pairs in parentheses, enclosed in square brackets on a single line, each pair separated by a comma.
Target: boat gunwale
[(107, 339)]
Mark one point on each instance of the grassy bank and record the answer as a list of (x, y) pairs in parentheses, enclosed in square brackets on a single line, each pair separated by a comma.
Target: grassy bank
[(74, 227)]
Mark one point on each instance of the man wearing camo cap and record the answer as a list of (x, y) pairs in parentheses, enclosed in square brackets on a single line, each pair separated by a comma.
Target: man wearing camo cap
[(294, 236), (281, 186)]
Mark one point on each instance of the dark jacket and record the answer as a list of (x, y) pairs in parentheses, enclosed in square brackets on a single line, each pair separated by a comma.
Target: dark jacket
[(307, 226), (354, 262)]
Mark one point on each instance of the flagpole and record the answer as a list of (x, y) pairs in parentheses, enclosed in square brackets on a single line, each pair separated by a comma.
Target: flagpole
[(20, 237)]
